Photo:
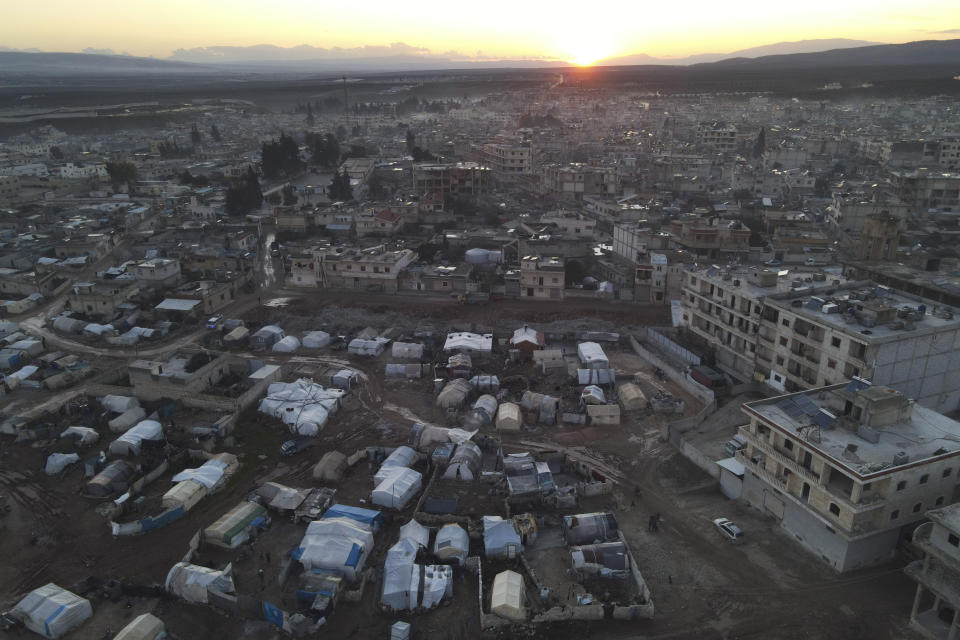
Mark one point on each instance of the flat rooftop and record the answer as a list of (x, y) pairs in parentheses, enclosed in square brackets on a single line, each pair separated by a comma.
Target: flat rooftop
[(716, 275), (869, 295), (924, 434)]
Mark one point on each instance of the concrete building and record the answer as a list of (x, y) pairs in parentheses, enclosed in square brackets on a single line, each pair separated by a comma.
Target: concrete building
[(541, 278), (713, 238), (373, 269), (158, 273), (926, 190), (936, 606), (509, 158), (848, 468), (822, 335), (718, 136), (9, 188), (101, 298), (461, 178), (574, 181)]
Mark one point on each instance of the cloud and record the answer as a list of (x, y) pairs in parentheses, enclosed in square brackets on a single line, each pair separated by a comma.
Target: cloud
[(947, 31)]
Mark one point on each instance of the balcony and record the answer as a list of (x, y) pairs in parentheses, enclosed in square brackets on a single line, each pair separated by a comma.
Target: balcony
[(786, 461), (759, 469)]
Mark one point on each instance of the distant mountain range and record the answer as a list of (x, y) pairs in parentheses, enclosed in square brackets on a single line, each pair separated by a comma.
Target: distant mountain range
[(403, 58), (779, 48)]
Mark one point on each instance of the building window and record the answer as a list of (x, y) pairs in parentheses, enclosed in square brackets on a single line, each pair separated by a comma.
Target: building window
[(788, 445), (783, 342), (835, 342), (831, 364), (780, 360), (924, 478), (953, 540), (785, 322), (947, 472), (834, 509), (901, 485), (939, 501), (444, 283), (895, 514), (867, 486), (916, 507), (363, 268)]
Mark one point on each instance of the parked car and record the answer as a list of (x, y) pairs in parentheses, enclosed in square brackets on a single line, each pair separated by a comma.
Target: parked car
[(773, 263), (736, 443), (728, 529), (298, 444)]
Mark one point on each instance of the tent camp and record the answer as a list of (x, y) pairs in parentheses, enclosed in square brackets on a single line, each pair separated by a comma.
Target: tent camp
[(507, 597), (113, 479), (194, 583), (127, 419), (397, 488), (304, 406), (592, 394), (130, 443), (361, 347), (288, 344), (185, 494), (400, 457), (590, 528), (118, 404), (542, 407), (233, 528), (415, 531), (331, 467), (500, 538), (266, 337), (213, 473), (82, 435), (336, 544), (465, 463), (406, 350), (52, 611), (472, 343), (608, 559), (315, 339), (144, 627), (369, 517), (454, 394), (508, 417), (402, 578), (592, 356), (484, 410), (452, 543), (631, 397)]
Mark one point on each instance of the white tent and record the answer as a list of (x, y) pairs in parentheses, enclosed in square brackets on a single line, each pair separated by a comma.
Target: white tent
[(304, 406), (407, 350), (210, 474), (452, 543), (337, 544), (85, 435), (193, 582), (508, 417), (592, 394), (119, 404), (592, 356), (398, 488), (129, 443), (315, 339), (144, 627), (52, 611), (416, 532), (400, 457), (288, 344), (361, 347), (500, 538), (57, 462), (469, 342), (127, 419), (507, 599)]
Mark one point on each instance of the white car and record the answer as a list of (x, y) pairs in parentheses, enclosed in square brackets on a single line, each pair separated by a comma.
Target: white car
[(728, 529)]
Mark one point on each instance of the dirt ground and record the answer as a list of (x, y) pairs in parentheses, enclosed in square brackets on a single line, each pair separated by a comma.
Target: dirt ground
[(702, 587)]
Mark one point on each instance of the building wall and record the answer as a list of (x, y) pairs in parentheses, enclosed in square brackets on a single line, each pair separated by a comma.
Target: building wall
[(918, 366)]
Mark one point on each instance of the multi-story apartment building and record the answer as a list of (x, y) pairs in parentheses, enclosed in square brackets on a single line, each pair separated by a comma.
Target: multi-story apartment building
[(817, 337), (713, 238), (719, 136), (574, 181), (461, 178), (9, 188), (373, 269), (541, 278), (509, 158), (924, 189), (848, 211), (814, 329), (936, 604), (158, 273), (846, 469)]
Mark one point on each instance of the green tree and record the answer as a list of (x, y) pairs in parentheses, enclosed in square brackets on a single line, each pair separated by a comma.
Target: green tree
[(761, 143), (244, 195), (340, 189), (290, 193), (56, 153), (280, 157), (122, 173), (309, 115), (195, 136), (215, 133)]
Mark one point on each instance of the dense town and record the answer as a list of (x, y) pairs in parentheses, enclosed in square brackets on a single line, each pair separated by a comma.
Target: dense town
[(407, 360)]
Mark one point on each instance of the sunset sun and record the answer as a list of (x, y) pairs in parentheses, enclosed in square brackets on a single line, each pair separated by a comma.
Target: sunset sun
[(583, 49)]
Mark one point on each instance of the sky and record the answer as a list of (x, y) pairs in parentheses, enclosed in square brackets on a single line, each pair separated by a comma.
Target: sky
[(503, 29)]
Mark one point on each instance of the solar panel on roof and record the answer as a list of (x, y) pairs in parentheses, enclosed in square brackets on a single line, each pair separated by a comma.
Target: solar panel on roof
[(823, 419), (806, 405), (856, 385), (789, 407)]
